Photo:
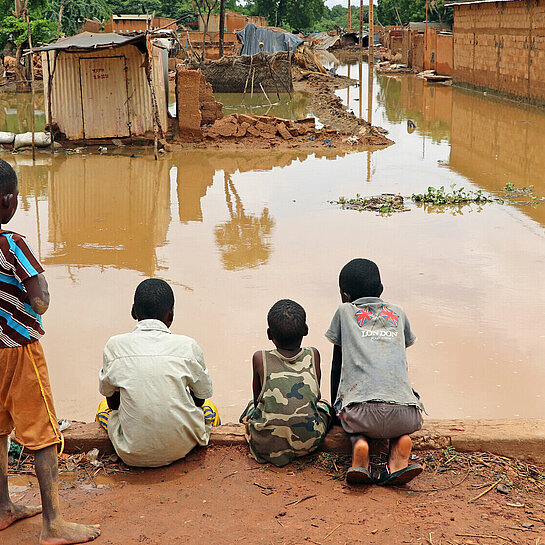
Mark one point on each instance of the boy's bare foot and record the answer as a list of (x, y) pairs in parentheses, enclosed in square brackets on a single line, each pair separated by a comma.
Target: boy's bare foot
[(17, 512), (66, 533)]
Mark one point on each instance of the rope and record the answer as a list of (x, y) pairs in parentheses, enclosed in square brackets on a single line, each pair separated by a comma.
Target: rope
[(59, 435)]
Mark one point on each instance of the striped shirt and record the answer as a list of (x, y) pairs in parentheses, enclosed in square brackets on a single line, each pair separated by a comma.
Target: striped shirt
[(19, 324)]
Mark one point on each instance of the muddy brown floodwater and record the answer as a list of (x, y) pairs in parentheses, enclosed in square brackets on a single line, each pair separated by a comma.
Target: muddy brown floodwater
[(234, 232)]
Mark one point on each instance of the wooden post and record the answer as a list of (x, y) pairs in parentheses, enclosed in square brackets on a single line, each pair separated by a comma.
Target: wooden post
[(222, 26), (50, 74), (361, 24), (349, 15), (32, 122), (371, 48)]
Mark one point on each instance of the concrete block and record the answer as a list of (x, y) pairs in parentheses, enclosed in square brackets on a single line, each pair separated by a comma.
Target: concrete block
[(523, 439)]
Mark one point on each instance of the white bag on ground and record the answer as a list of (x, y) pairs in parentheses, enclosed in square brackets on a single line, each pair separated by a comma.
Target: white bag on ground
[(41, 140), (6, 137)]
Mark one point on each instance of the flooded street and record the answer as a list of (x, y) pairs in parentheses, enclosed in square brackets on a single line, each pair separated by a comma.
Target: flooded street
[(235, 231)]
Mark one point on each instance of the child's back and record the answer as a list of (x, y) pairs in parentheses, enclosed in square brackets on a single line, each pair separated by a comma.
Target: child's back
[(286, 421), (286, 418), (369, 376)]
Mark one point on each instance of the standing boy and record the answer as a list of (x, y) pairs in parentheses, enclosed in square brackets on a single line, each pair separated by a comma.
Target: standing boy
[(156, 385), (369, 375), (26, 403)]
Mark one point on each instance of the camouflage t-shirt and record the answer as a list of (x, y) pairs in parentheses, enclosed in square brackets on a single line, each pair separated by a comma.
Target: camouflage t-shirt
[(287, 423)]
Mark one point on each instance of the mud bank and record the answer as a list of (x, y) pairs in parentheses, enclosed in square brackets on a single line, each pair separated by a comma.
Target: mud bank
[(220, 495), (245, 131), (329, 108), (522, 439)]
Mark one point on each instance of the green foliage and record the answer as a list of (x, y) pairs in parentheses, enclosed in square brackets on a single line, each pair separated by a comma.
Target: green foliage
[(15, 31), (412, 10), (162, 8), (76, 11), (338, 15), (289, 14), (456, 196)]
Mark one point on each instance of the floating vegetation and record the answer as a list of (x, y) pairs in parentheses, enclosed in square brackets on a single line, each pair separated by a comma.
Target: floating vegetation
[(459, 196), (512, 192), (440, 198), (383, 204)]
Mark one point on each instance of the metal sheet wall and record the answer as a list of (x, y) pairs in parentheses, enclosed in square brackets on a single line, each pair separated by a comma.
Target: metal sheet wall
[(66, 92)]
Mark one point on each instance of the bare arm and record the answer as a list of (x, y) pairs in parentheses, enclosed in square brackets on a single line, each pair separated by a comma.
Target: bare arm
[(257, 379), (38, 293), (336, 365), (113, 401), (317, 364), (198, 401)]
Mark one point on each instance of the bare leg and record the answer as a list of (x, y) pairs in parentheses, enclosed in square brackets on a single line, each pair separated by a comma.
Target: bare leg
[(55, 530), (360, 454), (400, 451), (9, 512)]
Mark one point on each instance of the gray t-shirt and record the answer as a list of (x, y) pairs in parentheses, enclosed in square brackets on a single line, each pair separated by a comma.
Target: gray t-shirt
[(373, 336)]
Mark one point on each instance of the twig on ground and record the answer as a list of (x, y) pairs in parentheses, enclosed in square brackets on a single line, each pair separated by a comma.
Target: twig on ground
[(336, 527), (485, 491), (492, 536), (230, 474), (262, 487), (279, 523), (295, 502)]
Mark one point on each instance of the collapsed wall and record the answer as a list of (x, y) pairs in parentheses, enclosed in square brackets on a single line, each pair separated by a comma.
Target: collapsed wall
[(195, 103), (236, 74)]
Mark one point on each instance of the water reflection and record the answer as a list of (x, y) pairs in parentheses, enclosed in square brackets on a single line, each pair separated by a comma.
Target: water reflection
[(492, 141), (245, 240), (428, 106), (108, 211), (16, 112), (283, 105)]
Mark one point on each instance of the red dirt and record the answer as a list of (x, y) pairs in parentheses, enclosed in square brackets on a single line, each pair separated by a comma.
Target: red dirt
[(220, 495)]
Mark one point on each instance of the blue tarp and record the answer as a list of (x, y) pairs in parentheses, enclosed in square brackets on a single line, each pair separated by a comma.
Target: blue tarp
[(252, 35)]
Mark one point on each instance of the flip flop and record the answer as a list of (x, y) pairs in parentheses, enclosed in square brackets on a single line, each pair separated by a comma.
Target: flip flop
[(398, 478), (359, 475)]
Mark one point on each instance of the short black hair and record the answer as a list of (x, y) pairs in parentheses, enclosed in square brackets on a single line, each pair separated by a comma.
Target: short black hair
[(8, 178), (287, 321), (360, 278), (153, 298)]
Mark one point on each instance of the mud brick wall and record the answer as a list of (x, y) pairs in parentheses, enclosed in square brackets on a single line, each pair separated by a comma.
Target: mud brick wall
[(417, 61), (501, 46), (444, 59)]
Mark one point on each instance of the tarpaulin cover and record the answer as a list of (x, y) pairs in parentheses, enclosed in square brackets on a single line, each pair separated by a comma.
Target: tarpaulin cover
[(99, 40), (252, 35)]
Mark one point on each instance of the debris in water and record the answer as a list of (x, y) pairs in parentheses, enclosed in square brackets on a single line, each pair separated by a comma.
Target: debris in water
[(384, 204)]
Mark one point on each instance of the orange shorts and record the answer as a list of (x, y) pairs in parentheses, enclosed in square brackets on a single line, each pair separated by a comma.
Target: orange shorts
[(22, 405)]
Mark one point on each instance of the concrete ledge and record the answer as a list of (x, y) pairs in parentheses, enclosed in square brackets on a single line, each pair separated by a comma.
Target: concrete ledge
[(522, 438)]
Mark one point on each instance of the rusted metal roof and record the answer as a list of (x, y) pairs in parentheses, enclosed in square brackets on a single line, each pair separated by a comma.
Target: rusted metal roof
[(99, 40)]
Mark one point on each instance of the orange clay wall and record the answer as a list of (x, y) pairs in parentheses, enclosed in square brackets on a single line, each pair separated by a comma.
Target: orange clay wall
[(501, 46)]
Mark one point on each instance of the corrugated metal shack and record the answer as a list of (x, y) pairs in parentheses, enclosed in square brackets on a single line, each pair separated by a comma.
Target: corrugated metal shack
[(100, 89)]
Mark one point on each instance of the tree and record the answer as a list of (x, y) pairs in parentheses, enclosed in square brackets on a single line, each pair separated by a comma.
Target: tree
[(412, 10), (14, 31), (290, 14), (74, 12), (204, 9)]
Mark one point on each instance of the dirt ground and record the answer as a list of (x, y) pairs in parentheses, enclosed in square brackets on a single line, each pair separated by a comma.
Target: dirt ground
[(220, 495)]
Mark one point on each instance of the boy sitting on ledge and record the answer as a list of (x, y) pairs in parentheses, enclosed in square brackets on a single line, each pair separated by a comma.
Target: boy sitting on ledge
[(286, 418), (156, 385), (369, 376)]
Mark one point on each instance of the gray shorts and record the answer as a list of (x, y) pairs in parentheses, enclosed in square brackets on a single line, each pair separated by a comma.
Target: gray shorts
[(378, 420)]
